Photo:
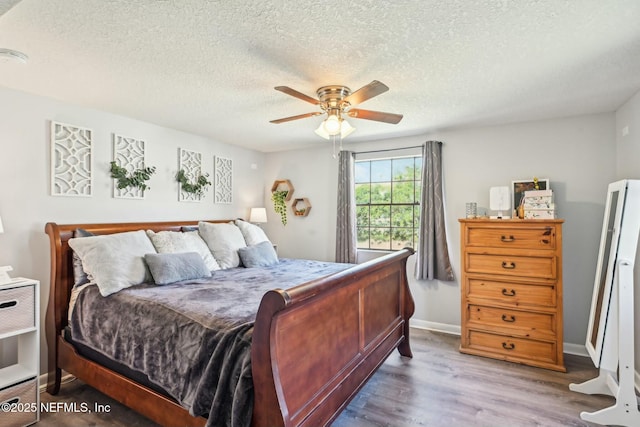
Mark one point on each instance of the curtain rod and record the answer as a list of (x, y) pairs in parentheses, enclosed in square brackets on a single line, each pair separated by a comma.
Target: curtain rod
[(389, 149)]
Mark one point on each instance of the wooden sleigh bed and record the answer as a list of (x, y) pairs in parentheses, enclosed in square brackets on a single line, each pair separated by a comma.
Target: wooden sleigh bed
[(374, 305)]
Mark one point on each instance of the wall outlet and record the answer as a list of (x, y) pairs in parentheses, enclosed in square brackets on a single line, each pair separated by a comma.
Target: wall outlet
[(625, 131)]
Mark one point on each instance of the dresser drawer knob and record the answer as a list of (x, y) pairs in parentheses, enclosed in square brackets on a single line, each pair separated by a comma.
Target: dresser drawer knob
[(509, 346), (8, 304), (511, 293), (507, 239), (508, 265), (509, 319)]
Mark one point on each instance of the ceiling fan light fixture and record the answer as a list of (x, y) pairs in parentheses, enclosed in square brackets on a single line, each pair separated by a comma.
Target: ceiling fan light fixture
[(7, 55), (332, 125), (346, 129)]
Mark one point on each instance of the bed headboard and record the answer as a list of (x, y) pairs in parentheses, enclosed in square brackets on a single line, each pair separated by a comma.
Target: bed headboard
[(62, 261)]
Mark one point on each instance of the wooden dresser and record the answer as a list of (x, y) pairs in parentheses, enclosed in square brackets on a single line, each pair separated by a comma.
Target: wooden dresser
[(512, 290)]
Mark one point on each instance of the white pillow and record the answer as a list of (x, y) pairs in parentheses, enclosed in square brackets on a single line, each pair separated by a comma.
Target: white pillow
[(114, 261), (224, 240), (252, 233), (171, 242)]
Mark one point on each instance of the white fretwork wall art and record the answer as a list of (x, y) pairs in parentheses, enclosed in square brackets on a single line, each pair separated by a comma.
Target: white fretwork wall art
[(223, 180), (191, 163), (128, 153), (71, 160)]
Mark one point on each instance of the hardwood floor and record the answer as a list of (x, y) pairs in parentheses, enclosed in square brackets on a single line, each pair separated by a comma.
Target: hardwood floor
[(438, 387)]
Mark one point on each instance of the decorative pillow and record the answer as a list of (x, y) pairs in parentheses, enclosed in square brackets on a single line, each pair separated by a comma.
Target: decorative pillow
[(114, 261), (169, 242), (79, 275), (224, 240), (261, 255), (174, 267), (252, 233)]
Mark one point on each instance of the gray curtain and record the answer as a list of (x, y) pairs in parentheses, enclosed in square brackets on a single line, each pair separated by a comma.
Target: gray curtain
[(346, 217), (432, 253)]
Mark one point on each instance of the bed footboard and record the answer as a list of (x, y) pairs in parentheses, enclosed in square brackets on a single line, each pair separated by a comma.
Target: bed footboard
[(315, 345)]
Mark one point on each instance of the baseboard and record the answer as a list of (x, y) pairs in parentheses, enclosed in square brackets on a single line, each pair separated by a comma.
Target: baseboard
[(42, 381), (575, 349), (435, 326)]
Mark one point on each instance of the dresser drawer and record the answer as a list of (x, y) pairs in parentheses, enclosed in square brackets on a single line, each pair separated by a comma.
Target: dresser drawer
[(23, 401), (543, 267), (17, 309), (524, 323), (515, 294), (531, 237), (512, 347)]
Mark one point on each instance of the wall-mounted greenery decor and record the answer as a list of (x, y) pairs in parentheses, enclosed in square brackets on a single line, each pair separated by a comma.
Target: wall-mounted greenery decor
[(197, 188), (137, 179), (281, 192)]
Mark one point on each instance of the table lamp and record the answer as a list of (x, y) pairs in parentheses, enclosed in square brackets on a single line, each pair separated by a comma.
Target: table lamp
[(500, 200), (258, 215)]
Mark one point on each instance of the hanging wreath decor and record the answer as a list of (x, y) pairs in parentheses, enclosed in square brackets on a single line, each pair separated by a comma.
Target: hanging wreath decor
[(279, 205), (196, 188), (138, 178)]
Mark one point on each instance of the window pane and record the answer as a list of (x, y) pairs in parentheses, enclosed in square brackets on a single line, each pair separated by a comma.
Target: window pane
[(402, 216), (381, 170), (416, 216), (403, 192), (403, 169), (363, 194), (362, 216), (380, 238), (416, 240), (381, 192), (418, 188), (381, 216), (362, 171), (402, 237), (418, 168), (363, 237)]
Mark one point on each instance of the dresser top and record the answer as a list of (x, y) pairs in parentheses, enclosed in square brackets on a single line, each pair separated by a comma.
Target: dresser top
[(512, 221)]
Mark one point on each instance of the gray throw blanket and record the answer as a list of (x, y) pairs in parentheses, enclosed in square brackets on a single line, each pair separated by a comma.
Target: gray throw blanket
[(192, 338)]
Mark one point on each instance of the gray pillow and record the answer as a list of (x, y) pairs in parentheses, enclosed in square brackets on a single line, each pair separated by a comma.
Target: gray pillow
[(260, 255), (174, 267)]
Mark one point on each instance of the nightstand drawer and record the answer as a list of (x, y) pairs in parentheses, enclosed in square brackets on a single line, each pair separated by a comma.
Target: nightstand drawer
[(532, 237), (523, 323), (515, 294), (513, 348), (511, 265), (23, 401), (17, 309)]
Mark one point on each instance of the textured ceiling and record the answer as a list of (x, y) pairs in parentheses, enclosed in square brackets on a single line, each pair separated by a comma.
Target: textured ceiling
[(209, 67)]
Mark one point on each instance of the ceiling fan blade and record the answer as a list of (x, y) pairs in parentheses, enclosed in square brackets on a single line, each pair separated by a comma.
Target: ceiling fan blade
[(374, 88), (301, 116), (378, 116), (296, 94)]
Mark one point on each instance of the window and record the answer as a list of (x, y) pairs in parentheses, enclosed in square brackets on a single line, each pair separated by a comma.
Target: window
[(388, 202)]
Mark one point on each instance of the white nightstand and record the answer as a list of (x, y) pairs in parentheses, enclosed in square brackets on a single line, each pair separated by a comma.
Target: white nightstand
[(20, 327)]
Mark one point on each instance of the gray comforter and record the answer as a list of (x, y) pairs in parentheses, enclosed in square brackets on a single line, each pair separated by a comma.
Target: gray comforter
[(192, 338)]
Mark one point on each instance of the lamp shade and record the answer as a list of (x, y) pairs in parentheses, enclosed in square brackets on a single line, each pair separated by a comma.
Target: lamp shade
[(1, 229), (258, 215), (500, 200)]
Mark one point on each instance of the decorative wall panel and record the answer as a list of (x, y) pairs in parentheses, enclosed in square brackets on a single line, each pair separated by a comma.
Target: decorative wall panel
[(128, 153), (223, 180), (71, 160), (191, 164)]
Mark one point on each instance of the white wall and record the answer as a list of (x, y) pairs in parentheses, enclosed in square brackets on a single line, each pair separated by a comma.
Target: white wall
[(628, 153), (576, 154), (25, 200)]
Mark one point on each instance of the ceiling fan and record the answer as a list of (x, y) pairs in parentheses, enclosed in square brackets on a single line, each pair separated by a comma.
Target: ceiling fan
[(336, 101)]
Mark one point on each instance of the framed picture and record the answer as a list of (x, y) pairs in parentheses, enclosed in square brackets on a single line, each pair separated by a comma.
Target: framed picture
[(519, 187)]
